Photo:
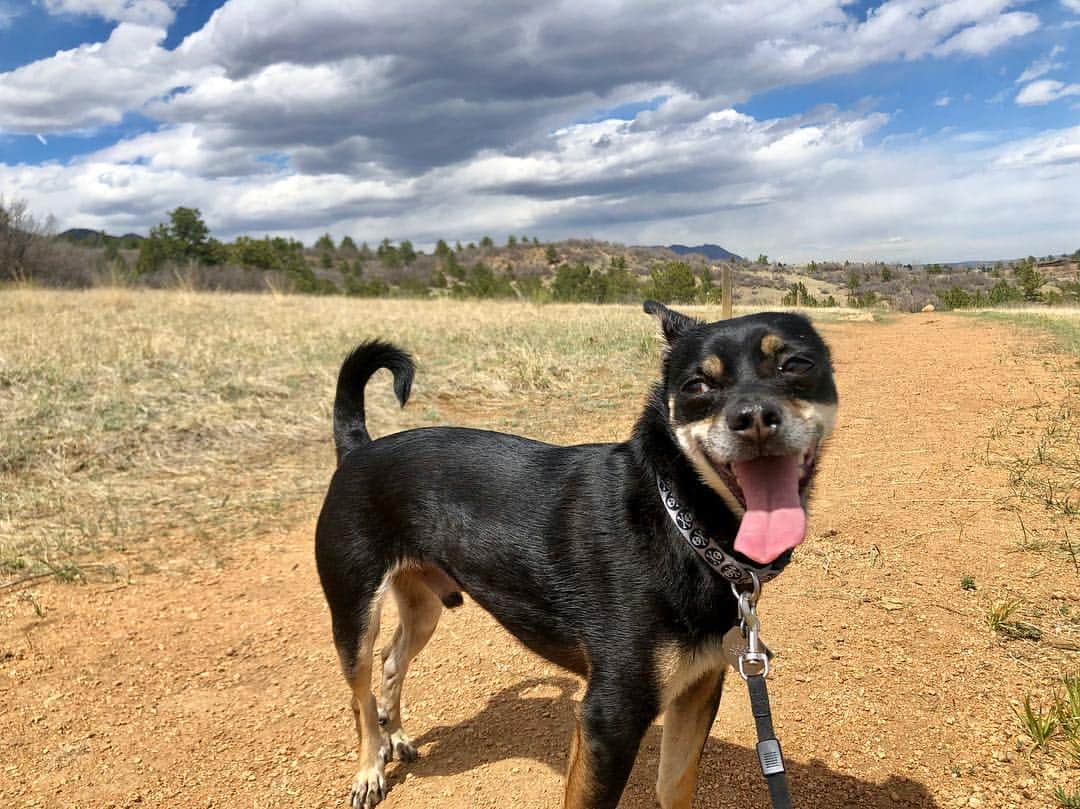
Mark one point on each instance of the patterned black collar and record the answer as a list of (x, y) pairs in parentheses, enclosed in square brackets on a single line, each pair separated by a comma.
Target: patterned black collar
[(714, 556)]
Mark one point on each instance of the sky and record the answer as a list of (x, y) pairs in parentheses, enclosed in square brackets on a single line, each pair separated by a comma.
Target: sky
[(904, 130)]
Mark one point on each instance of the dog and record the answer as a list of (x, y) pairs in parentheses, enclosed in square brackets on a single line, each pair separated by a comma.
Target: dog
[(614, 561)]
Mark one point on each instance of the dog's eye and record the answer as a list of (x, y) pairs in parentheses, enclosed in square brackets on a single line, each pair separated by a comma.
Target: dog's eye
[(796, 365), (697, 387)]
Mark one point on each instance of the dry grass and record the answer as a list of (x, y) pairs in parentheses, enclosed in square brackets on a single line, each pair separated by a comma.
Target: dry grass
[(1063, 322), (130, 415), (1050, 474)]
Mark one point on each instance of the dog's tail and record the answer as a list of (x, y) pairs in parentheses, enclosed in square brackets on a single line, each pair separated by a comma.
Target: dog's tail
[(350, 430)]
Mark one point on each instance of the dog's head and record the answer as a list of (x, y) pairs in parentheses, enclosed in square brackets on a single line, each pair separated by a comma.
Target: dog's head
[(749, 401)]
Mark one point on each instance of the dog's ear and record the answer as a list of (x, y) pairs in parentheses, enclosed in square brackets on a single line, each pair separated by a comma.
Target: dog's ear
[(672, 323)]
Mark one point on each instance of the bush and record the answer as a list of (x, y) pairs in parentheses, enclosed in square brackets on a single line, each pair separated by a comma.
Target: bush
[(957, 298), (580, 283), (185, 239), (482, 282), (23, 241), (799, 295), (1003, 292), (673, 282)]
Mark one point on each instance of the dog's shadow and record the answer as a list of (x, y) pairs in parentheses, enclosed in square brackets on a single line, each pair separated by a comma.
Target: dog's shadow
[(518, 724)]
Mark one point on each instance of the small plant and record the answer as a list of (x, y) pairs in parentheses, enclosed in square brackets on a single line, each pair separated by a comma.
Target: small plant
[(1000, 612), (32, 600), (1068, 800), (1072, 749), (999, 619), (67, 572), (1037, 723), (967, 583), (1068, 709)]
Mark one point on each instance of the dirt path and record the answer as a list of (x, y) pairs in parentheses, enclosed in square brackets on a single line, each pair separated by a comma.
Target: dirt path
[(221, 689)]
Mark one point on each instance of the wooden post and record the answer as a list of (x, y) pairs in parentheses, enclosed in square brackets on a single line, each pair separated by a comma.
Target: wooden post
[(725, 291)]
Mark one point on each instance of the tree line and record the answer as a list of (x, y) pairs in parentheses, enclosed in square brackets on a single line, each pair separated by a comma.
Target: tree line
[(186, 238), (182, 250)]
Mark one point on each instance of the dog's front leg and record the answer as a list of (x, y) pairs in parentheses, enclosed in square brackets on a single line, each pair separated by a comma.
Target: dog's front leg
[(687, 719), (612, 722)]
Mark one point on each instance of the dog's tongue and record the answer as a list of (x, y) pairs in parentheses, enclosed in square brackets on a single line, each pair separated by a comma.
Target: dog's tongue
[(774, 521)]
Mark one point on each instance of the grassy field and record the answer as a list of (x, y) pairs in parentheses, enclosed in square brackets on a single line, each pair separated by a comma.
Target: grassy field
[(130, 415), (135, 415)]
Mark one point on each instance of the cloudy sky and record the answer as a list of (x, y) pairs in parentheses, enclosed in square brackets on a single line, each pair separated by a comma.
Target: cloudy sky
[(914, 130)]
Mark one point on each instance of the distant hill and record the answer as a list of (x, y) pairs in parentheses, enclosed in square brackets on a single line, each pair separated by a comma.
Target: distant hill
[(98, 238), (712, 251)]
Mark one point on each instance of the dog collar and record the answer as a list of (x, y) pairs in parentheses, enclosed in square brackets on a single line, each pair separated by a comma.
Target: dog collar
[(714, 556)]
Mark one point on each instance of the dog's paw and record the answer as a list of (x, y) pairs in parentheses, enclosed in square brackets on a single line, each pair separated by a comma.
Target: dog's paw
[(368, 789), (397, 745), (403, 747)]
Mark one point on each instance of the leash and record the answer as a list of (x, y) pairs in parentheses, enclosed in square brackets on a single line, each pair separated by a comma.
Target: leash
[(744, 643)]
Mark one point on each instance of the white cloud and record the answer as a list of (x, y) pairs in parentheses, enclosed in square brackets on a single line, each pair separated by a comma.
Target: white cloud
[(90, 85), (1046, 91), (1060, 147), (982, 38), (1072, 5), (426, 119), (793, 187), (1040, 67), (140, 12), (942, 101), (508, 69)]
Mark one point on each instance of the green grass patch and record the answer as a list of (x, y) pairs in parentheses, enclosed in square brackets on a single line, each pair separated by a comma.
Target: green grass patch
[(1061, 322)]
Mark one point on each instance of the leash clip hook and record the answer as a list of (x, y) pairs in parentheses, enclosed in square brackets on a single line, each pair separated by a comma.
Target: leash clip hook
[(755, 660)]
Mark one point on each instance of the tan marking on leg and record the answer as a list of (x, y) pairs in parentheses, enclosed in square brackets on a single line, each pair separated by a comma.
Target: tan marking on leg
[(713, 367), (580, 782), (676, 668), (419, 609), (771, 344), (687, 720), (369, 786)]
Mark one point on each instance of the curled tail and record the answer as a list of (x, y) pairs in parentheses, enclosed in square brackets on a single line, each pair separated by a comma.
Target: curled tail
[(350, 431)]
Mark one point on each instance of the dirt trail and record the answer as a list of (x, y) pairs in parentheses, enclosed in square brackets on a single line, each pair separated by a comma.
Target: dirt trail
[(221, 688)]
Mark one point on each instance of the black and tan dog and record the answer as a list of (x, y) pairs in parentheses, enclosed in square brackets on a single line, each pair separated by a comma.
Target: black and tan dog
[(572, 549)]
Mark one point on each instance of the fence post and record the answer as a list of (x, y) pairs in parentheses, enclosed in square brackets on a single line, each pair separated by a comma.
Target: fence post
[(725, 291)]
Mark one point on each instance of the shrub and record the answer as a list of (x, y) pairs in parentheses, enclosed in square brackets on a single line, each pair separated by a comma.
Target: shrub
[(672, 282)]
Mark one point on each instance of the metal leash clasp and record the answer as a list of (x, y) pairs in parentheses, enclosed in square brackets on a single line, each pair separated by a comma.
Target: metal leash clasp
[(755, 660)]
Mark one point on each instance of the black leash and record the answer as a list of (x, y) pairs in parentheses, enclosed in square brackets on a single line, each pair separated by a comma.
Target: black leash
[(768, 748), (753, 665)]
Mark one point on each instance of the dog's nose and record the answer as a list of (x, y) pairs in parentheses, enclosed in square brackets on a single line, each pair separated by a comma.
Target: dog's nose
[(755, 420)]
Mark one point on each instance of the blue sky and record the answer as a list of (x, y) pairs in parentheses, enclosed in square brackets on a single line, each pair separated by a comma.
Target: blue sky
[(913, 130)]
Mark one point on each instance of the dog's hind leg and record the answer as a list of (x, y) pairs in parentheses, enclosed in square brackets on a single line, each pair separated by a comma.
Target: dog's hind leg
[(419, 609), (355, 632)]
